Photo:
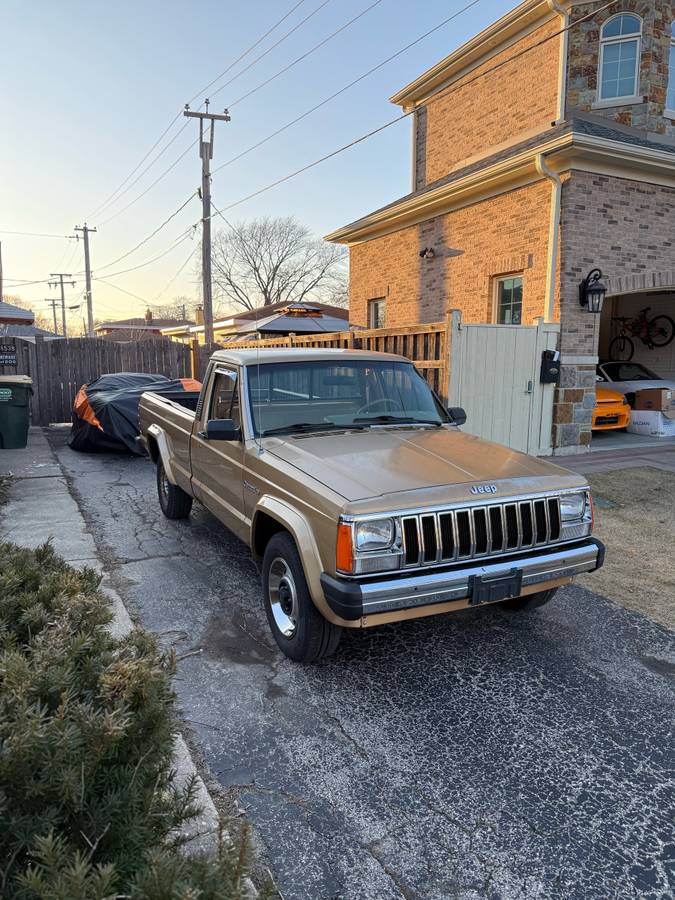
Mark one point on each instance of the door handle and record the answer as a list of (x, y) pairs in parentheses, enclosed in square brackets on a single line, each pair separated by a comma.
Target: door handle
[(529, 387), (203, 435)]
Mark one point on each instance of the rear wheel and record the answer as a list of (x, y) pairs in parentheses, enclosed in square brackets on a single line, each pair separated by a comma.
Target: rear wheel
[(175, 503), (661, 331), (621, 349), (531, 601), (298, 627)]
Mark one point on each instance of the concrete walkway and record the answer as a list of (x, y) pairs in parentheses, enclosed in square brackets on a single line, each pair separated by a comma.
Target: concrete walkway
[(659, 457), (41, 508)]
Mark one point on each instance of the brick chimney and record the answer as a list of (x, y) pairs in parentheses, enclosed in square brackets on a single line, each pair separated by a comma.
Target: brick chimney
[(148, 316), (199, 315)]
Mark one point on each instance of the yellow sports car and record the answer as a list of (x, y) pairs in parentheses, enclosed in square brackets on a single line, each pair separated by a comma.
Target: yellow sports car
[(611, 410)]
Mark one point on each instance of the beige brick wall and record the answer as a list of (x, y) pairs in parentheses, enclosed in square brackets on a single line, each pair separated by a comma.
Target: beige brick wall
[(508, 233), (474, 116), (584, 44), (624, 228)]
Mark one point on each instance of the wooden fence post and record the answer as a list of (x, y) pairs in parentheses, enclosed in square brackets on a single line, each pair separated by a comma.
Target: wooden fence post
[(194, 358)]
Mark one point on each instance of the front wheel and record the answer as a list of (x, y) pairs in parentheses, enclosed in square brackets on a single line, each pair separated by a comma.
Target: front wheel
[(621, 349), (298, 627), (530, 601), (661, 331), (175, 503)]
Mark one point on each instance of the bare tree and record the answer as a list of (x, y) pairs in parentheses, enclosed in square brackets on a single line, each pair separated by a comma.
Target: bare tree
[(268, 261), (182, 307)]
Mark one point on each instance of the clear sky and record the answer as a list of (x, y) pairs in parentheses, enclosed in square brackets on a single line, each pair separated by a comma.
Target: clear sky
[(89, 87)]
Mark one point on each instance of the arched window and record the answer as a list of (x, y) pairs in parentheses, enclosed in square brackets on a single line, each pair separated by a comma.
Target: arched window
[(670, 97), (619, 58)]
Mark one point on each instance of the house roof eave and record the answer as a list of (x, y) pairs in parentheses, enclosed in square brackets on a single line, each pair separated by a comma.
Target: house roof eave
[(510, 27)]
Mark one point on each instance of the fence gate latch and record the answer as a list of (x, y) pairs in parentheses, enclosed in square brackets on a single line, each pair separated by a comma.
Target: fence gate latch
[(530, 387)]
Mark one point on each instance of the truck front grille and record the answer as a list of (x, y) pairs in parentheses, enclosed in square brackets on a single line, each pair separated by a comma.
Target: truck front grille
[(441, 537)]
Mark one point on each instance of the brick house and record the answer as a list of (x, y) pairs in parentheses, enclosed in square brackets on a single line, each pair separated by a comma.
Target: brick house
[(540, 151)]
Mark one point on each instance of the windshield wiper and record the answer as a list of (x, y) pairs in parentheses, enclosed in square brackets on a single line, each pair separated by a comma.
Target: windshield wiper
[(301, 427), (397, 420)]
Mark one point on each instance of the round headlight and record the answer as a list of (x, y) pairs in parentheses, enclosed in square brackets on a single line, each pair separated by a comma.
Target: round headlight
[(572, 506), (376, 535)]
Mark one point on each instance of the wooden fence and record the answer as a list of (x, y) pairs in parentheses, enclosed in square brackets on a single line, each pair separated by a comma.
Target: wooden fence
[(426, 345), (60, 367)]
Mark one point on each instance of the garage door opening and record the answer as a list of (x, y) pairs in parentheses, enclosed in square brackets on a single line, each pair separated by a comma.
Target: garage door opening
[(637, 353)]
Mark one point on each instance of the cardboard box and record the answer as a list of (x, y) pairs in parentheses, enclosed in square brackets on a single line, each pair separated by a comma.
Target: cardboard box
[(655, 398), (651, 422)]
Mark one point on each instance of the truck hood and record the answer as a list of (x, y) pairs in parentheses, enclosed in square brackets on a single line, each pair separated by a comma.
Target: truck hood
[(360, 465)]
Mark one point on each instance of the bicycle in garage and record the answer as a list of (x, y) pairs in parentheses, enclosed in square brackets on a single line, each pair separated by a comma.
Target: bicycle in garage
[(656, 332)]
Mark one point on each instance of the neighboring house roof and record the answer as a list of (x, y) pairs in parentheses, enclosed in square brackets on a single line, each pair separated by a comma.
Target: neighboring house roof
[(25, 331), (305, 320), (262, 312), (140, 324), (10, 313), (516, 165), (284, 324)]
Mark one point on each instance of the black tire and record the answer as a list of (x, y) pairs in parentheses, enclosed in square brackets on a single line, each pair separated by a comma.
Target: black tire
[(531, 601), (175, 503), (661, 331), (621, 349), (298, 627)]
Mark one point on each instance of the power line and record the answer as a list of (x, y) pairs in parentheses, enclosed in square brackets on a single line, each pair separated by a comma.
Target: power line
[(37, 234), (436, 97), (346, 87), (272, 47), (179, 240), (150, 236), (174, 277), (123, 290), (118, 192), (305, 55)]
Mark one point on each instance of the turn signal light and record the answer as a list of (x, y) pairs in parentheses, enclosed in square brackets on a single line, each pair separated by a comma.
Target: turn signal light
[(592, 505), (344, 559)]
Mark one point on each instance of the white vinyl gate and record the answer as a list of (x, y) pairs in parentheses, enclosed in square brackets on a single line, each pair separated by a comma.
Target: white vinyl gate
[(494, 375)]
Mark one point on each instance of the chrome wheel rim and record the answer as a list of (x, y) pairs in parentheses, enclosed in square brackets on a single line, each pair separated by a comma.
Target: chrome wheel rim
[(283, 597), (164, 486)]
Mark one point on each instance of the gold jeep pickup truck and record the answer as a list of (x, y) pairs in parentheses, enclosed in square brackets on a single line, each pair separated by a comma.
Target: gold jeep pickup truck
[(360, 497)]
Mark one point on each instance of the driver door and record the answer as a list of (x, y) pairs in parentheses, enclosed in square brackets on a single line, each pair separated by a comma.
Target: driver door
[(217, 466)]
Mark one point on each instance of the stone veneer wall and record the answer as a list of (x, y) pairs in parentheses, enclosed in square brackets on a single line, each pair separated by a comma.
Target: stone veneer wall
[(584, 49), (627, 229)]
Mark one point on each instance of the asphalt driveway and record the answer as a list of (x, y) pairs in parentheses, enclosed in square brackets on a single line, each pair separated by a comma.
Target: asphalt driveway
[(474, 755)]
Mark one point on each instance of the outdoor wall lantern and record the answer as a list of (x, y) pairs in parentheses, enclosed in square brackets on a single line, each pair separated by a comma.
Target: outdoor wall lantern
[(592, 291)]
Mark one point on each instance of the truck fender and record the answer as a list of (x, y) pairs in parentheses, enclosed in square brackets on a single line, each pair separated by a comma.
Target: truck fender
[(296, 524), (157, 437)]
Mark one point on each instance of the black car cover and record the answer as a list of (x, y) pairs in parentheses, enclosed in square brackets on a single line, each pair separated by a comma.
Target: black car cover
[(105, 411)]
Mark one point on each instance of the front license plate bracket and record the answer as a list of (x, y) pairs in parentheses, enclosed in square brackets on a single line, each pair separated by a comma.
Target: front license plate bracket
[(492, 589)]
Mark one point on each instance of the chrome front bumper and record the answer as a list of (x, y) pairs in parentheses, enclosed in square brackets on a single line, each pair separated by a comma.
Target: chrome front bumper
[(351, 599)]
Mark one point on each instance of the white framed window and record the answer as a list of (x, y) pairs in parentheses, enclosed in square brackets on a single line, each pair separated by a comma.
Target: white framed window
[(509, 300), (377, 313), (670, 95), (619, 66)]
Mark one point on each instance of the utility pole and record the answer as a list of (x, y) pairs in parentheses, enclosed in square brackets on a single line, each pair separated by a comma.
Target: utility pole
[(86, 231), (61, 276), (206, 154), (53, 303), (0, 271)]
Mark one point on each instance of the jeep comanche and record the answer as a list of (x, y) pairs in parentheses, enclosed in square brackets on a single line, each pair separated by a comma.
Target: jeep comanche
[(359, 495)]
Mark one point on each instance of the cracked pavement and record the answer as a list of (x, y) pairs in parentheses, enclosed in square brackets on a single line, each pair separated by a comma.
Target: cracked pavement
[(479, 754)]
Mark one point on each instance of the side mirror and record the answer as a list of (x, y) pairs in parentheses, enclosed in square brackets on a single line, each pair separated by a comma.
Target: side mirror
[(457, 415), (222, 430)]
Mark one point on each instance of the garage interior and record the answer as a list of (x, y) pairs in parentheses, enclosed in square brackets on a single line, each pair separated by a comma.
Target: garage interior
[(660, 360)]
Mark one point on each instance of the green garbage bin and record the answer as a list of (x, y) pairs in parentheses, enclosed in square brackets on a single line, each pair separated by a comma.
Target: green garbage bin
[(15, 391)]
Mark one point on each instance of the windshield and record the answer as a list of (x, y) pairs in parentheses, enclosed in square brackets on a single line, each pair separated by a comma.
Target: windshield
[(313, 396), (628, 371)]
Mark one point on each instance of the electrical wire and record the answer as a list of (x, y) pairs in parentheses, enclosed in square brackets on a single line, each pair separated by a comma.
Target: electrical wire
[(174, 277), (304, 55), (37, 234), (123, 290), (434, 99), (121, 189), (346, 87), (179, 240)]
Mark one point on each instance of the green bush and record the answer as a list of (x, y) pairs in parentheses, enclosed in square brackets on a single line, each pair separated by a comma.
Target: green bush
[(88, 804)]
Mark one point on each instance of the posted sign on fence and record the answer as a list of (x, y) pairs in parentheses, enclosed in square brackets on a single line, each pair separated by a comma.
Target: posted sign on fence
[(7, 355)]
